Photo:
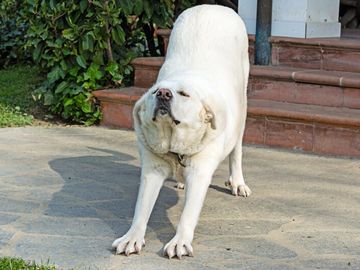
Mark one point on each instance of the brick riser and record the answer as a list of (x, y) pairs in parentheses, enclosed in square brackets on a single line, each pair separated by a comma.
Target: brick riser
[(295, 129), (308, 137), (300, 93), (269, 128), (323, 54), (117, 106), (332, 89)]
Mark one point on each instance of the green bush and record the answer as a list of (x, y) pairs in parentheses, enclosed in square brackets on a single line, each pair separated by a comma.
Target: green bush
[(8, 263), (85, 45), (12, 34)]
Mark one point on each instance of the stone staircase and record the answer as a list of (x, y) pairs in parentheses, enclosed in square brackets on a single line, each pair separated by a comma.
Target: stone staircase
[(308, 100)]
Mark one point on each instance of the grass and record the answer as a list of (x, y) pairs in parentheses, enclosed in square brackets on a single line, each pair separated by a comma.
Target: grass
[(7, 263), (16, 103)]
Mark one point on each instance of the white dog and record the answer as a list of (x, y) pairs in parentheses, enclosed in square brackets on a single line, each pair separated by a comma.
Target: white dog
[(191, 120)]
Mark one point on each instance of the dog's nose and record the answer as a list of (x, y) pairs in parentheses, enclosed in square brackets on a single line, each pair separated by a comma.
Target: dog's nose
[(164, 94)]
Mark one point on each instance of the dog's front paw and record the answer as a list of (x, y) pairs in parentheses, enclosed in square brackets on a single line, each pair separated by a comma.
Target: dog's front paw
[(178, 246), (131, 242), (238, 189), (180, 185)]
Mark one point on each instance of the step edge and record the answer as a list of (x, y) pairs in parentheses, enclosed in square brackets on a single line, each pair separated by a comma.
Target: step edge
[(311, 76), (156, 61), (317, 42), (166, 32), (256, 109), (114, 95), (322, 77)]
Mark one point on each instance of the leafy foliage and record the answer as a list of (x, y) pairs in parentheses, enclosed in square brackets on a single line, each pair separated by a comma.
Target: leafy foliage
[(12, 34), (87, 44), (7, 263), (16, 104), (83, 45)]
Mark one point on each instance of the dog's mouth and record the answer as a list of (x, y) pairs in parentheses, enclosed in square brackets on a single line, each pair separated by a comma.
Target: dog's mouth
[(162, 109)]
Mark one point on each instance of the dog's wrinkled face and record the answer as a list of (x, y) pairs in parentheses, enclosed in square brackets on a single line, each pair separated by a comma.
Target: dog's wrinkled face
[(163, 101), (174, 120)]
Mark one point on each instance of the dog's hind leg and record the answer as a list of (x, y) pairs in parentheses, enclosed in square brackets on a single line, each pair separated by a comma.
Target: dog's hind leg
[(180, 181), (236, 180)]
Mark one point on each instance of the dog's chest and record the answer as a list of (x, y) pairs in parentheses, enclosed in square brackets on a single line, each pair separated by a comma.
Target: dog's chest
[(178, 164), (163, 137)]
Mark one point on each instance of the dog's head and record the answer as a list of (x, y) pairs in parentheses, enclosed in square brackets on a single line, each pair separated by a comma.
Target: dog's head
[(173, 117)]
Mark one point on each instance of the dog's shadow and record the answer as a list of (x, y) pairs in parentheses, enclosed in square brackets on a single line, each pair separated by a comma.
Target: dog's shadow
[(105, 187)]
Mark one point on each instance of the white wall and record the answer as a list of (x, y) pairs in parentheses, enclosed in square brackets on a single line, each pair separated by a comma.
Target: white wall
[(296, 18)]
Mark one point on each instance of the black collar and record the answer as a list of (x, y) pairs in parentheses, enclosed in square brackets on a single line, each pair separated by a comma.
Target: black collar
[(180, 158)]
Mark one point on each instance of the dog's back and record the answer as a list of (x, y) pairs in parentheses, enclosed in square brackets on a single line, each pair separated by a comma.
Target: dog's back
[(207, 37)]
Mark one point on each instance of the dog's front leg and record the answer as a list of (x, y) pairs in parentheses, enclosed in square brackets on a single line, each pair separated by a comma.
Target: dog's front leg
[(154, 172), (198, 177)]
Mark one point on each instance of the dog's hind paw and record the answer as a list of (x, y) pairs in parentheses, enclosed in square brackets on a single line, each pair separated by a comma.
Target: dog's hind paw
[(238, 189), (180, 185)]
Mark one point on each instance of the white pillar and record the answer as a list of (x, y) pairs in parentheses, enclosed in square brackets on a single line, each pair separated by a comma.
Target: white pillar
[(297, 18)]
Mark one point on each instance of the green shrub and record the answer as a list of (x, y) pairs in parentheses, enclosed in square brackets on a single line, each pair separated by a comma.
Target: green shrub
[(8, 263), (17, 106), (85, 45), (12, 34)]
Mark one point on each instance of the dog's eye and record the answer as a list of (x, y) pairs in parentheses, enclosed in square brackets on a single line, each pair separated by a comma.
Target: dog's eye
[(184, 94)]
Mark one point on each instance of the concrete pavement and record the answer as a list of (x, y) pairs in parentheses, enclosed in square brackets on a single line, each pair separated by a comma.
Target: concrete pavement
[(67, 192)]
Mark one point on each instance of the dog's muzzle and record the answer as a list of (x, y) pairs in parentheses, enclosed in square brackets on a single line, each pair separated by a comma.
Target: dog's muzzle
[(163, 104)]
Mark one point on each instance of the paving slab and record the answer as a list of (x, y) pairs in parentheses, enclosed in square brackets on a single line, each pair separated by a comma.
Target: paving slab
[(67, 192)]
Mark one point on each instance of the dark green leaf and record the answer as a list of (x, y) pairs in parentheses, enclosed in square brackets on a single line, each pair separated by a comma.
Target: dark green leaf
[(83, 5), (68, 34), (81, 61), (118, 35), (74, 71), (54, 75), (63, 65), (99, 58), (148, 7), (112, 68), (48, 99), (36, 53), (87, 43), (93, 73), (68, 102), (61, 87), (52, 4), (138, 7), (98, 3), (86, 107), (127, 6)]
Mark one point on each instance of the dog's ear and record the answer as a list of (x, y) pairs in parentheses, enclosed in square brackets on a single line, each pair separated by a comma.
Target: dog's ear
[(139, 105), (209, 116)]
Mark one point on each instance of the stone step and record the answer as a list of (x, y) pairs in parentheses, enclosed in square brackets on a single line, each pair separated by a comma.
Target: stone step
[(341, 54), (117, 106), (146, 70), (310, 128), (304, 86)]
